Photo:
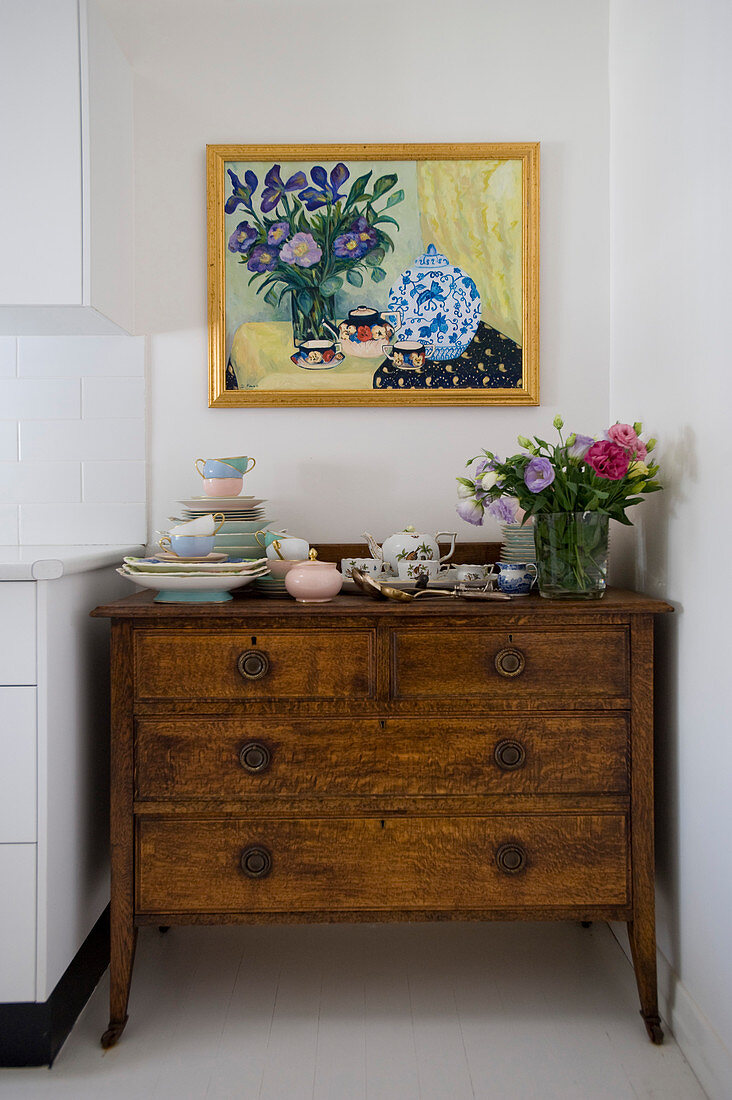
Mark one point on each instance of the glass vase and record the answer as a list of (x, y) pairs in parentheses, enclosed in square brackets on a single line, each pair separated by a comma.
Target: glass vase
[(313, 316), (571, 554)]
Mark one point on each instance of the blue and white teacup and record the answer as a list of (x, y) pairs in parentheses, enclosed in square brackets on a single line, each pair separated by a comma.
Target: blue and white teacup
[(516, 578), (188, 546)]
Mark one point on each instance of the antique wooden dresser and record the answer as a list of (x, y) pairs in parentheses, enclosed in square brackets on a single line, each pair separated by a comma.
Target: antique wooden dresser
[(376, 761)]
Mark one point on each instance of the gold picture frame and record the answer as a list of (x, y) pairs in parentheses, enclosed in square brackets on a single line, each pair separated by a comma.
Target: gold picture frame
[(274, 212)]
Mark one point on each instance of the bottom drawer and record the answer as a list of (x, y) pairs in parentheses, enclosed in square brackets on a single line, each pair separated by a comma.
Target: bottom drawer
[(230, 865)]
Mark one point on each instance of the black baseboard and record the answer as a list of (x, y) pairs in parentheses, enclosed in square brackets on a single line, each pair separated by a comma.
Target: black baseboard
[(31, 1034)]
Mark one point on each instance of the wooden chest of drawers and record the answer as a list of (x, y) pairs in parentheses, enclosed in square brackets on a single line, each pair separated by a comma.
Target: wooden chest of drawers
[(370, 761)]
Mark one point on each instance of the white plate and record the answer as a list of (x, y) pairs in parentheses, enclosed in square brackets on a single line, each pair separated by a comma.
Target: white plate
[(222, 504), (148, 565), (165, 556), (172, 583)]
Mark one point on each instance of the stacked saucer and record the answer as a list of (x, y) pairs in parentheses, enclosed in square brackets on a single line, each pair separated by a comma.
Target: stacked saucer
[(202, 581), (243, 517), (518, 542)]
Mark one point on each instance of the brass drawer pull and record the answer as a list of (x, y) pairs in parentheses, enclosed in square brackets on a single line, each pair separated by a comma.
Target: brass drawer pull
[(509, 755), (509, 662), (253, 664), (511, 858), (255, 757), (256, 862)]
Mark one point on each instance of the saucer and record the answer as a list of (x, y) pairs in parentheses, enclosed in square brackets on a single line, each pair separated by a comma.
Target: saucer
[(300, 362), (164, 555)]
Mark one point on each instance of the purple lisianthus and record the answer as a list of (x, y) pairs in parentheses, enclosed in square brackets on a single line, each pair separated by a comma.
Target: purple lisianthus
[(263, 258), (278, 232), (274, 188), (471, 511), (326, 191), (580, 446), (242, 238), (364, 232), (538, 474), (242, 191), (349, 246), (485, 465), (302, 250), (503, 509)]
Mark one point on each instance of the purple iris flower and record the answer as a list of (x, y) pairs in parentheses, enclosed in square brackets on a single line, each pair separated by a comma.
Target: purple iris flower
[(242, 238), (538, 474), (349, 246), (364, 231), (580, 447), (324, 192), (263, 258), (242, 191), (278, 233), (274, 188), (503, 509)]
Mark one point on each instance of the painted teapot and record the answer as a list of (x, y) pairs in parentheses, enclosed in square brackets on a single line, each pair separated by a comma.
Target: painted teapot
[(438, 303), (410, 545)]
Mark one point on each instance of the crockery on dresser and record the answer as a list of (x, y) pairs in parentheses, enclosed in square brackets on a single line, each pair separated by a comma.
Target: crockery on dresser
[(240, 463), (188, 546), (280, 569), (516, 578), (373, 566), (412, 545), (466, 572), (313, 581), (203, 525), (413, 570), (165, 555), (190, 589), (213, 467), (201, 505)]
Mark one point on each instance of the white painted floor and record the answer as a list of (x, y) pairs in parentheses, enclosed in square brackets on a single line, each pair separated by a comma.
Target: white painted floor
[(370, 1012)]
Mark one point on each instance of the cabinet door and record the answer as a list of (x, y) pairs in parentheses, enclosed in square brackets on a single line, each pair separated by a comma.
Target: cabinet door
[(40, 120), (18, 765), (18, 922), (17, 632)]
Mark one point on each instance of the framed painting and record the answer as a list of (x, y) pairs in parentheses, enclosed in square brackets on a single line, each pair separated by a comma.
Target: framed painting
[(373, 274)]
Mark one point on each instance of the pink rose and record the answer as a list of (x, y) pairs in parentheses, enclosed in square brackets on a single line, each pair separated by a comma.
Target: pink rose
[(624, 435), (608, 459)]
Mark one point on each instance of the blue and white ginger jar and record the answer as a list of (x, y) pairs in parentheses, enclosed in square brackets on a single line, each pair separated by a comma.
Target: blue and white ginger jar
[(439, 305)]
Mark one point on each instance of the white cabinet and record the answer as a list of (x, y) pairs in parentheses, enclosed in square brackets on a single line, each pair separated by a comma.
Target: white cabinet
[(17, 922), (66, 173)]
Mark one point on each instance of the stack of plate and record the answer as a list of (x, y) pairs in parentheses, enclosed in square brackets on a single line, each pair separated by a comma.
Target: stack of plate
[(203, 581), (271, 586), (243, 516), (518, 542)]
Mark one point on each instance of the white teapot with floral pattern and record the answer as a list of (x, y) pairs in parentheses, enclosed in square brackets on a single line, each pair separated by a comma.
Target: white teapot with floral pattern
[(410, 545)]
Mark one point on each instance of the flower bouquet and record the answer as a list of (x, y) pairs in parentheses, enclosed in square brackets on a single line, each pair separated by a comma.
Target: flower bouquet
[(571, 489), (305, 240)]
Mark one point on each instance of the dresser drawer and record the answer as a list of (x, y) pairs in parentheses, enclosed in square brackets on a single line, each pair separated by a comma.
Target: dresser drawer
[(556, 665), (208, 865), (185, 758), (268, 665)]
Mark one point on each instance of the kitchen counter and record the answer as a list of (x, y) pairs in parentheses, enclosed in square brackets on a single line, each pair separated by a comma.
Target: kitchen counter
[(47, 563)]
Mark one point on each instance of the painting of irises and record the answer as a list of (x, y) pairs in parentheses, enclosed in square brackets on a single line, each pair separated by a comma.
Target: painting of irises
[(355, 275)]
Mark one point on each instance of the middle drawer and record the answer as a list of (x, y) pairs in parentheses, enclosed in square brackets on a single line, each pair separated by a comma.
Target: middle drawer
[(188, 758)]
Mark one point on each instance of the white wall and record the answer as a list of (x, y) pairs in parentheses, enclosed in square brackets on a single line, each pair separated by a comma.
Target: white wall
[(330, 70), (671, 163), (72, 439)]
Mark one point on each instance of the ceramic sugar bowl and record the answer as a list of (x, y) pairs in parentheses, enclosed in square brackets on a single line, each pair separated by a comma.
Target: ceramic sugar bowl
[(438, 303), (314, 581)]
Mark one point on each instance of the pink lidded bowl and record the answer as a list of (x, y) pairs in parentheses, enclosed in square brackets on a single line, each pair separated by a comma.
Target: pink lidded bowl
[(313, 581), (223, 486)]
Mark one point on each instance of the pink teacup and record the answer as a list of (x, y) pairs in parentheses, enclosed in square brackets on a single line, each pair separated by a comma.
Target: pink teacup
[(223, 486)]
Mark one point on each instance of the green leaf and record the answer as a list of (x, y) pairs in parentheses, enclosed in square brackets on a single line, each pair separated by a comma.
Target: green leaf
[(304, 301), (394, 199), (374, 258), (386, 218), (357, 189), (331, 285), (271, 297), (386, 240), (378, 275), (354, 277), (384, 184)]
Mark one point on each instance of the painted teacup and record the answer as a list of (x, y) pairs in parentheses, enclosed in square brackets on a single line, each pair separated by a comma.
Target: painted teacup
[(188, 546), (413, 570), (465, 573), (515, 578), (407, 354), (315, 353), (372, 566)]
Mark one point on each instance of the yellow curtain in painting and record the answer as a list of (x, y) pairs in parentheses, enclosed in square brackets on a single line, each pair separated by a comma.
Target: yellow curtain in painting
[(471, 211)]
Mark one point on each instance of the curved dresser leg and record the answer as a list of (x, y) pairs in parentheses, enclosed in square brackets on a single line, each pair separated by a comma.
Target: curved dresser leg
[(122, 956), (643, 949)]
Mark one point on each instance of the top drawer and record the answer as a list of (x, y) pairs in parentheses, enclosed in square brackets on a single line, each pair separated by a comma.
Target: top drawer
[(566, 665), (279, 664)]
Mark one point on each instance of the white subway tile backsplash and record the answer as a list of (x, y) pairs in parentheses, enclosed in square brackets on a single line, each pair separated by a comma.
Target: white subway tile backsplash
[(38, 482), (80, 356), (46, 524), (9, 525), (8, 441), (105, 482), (8, 356), (112, 397), (68, 441), (46, 399)]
